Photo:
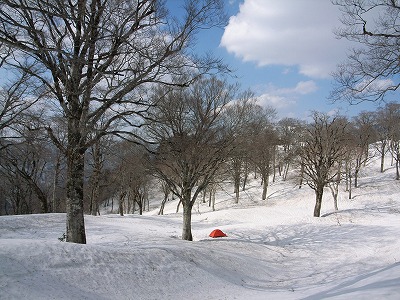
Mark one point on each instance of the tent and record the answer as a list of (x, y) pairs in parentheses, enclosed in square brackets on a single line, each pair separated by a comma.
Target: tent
[(217, 233)]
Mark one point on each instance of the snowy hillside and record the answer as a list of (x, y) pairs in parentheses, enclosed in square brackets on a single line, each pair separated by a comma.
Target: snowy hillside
[(275, 249)]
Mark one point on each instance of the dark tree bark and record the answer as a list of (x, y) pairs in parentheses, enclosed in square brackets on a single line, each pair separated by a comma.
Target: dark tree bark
[(323, 149), (319, 192), (187, 217), (94, 59), (193, 140)]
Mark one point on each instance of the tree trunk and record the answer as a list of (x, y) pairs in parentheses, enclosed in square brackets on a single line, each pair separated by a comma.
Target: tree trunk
[(347, 175), (187, 222), (285, 170), (97, 166), (54, 200), (350, 188), (319, 191), (94, 205), (335, 191), (245, 174), (236, 189), (121, 204), (74, 203), (213, 199), (301, 175), (161, 211), (177, 207), (44, 208), (383, 147), (356, 171), (265, 181)]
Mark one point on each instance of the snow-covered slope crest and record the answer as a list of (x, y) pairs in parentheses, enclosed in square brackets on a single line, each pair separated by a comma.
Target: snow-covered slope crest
[(274, 250)]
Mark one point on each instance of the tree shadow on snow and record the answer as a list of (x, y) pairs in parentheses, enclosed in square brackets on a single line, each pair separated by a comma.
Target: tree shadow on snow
[(357, 285)]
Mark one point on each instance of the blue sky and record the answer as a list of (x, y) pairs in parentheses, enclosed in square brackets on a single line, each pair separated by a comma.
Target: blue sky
[(285, 51)]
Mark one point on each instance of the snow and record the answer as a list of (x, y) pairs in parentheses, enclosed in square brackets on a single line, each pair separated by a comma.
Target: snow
[(275, 249)]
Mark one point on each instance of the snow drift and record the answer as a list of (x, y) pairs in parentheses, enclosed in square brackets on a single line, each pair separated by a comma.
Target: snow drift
[(275, 249)]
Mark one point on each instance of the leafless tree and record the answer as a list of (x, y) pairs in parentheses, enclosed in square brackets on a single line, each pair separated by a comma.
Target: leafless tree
[(382, 129), (17, 95), (25, 164), (290, 132), (263, 155), (245, 113), (362, 134), (387, 127), (193, 141), (393, 120), (94, 61), (323, 149), (371, 71)]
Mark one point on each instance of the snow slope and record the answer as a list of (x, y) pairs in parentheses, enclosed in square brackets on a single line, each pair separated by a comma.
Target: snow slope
[(275, 249)]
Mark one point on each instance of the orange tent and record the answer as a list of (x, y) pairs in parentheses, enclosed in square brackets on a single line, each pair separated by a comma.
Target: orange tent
[(217, 233)]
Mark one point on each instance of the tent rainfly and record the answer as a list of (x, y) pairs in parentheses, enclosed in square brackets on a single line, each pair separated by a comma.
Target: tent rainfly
[(217, 233)]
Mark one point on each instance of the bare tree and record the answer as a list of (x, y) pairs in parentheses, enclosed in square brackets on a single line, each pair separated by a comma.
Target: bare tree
[(290, 132), (323, 149), (245, 113), (387, 127), (393, 120), (371, 71), (94, 59), (193, 140), (25, 164), (382, 128), (264, 149), (17, 96), (362, 135)]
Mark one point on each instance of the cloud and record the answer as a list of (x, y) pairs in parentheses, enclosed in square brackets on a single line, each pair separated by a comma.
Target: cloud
[(290, 33), (275, 101), (280, 98), (302, 88)]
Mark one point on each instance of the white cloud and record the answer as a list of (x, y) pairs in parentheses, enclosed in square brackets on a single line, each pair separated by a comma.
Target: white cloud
[(302, 88), (280, 98), (275, 101), (291, 33), (368, 86)]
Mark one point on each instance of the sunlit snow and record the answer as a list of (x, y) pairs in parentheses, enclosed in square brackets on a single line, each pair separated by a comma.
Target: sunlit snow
[(275, 249)]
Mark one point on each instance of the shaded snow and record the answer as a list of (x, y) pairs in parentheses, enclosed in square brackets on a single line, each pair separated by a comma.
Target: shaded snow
[(275, 249)]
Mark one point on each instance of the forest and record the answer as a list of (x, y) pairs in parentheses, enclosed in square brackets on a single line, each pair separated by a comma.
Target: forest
[(108, 100)]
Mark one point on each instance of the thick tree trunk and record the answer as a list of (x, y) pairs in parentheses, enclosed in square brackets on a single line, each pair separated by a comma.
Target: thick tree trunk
[(265, 179), (213, 199), (356, 171), (383, 147), (74, 202), (44, 208), (121, 203), (161, 211), (335, 191), (187, 222), (318, 197), (54, 200), (94, 199), (265, 189)]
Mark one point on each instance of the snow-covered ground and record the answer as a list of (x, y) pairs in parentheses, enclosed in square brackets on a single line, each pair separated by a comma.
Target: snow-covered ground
[(275, 249)]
